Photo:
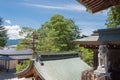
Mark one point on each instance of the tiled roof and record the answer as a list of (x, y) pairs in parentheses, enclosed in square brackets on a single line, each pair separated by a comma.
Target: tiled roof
[(61, 69), (15, 54), (104, 36), (90, 38)]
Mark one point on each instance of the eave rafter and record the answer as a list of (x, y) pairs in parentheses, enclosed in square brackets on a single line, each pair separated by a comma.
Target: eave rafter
[(98, 5), (95, 45)]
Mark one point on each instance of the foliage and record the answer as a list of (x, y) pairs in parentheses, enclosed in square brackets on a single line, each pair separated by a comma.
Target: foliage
[(86, 55), (27, 41), (57, 35), (26, 31), (3, 34), (113, 20), (20, 67)]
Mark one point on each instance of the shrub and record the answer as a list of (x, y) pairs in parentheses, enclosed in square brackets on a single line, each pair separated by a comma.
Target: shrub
[(20, 67), (86, 55)]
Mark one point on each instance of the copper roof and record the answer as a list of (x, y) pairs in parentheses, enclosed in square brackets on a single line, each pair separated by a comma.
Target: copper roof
[(98, 5), (60, 66)]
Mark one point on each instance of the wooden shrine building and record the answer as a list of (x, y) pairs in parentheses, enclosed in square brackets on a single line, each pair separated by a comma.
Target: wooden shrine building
[(101, 40), (9, 58), (106, 41)]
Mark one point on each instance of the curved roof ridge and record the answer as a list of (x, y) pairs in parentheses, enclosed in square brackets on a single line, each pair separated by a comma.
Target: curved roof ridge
[(56, 56)]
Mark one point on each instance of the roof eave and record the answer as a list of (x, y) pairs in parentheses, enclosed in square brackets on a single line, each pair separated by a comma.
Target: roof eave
[(97, 5)]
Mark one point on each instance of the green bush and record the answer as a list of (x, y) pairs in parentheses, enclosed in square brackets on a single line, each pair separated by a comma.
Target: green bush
[(20, 67), (86, 55)]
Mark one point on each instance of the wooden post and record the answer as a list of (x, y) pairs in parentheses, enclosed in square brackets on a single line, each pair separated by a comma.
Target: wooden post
[(95, 58), (8, 65)]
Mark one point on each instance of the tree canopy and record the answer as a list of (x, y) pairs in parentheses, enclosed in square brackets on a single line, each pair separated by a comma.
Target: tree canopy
[(57, 34), (3, 34), (113, 20), (28, 40)]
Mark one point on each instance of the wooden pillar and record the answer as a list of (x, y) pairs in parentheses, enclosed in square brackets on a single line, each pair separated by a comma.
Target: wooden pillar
[(8, 65), (7, 61), (2, 63), (95, 59), (5, 64)]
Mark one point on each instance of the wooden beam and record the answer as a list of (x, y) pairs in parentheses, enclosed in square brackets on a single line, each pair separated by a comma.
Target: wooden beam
[(98, 5)]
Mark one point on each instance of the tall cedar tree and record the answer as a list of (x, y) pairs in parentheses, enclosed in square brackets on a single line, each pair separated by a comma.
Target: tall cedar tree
[(3, 34)]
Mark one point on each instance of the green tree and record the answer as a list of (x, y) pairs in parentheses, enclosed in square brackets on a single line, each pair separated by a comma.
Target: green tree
[(3, 34), (57, 34), (28, 40), (113, 20), (49, 44)]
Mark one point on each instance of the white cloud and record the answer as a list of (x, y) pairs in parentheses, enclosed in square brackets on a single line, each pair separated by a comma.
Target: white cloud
[(8, 21), (70, 7), (13, 31), (87, 28), (88, 31)]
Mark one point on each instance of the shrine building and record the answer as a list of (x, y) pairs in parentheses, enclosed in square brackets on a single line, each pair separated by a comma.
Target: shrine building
[(55, 66), (9, 58), (101, 40)]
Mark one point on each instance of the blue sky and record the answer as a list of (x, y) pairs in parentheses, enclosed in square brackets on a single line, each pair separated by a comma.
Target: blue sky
[(33, 13)]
